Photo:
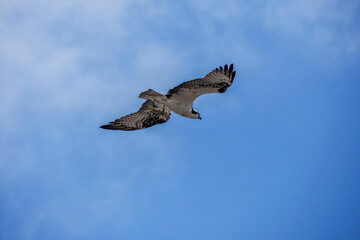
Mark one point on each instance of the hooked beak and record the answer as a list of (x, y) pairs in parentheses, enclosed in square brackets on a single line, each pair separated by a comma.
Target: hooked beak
[(200, 118)]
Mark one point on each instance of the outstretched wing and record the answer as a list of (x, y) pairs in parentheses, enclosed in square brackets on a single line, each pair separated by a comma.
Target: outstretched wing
[(217, 81), (150, 114)]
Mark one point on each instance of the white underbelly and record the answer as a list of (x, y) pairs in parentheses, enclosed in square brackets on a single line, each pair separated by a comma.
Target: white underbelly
[(178, 108)]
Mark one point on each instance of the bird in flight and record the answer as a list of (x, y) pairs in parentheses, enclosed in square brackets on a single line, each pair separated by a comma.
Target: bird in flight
[(156, 109)]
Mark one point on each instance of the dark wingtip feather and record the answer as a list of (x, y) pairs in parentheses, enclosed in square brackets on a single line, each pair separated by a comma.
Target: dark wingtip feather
[(231, 68), (233, 76), (226, 68), (108, 126), (112, 127)]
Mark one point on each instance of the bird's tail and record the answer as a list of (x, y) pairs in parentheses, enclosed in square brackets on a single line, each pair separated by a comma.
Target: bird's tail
[(152, 95)]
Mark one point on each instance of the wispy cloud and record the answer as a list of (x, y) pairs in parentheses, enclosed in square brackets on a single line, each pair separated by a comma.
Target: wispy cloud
[(66, 67), (52, 59), (62, 63), (329, 23), (324, 26)]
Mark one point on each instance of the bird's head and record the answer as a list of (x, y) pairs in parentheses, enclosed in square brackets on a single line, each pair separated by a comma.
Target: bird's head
[(196, 114)]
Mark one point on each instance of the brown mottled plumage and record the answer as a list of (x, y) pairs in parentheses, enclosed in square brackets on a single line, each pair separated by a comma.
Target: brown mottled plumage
[(150, 114)]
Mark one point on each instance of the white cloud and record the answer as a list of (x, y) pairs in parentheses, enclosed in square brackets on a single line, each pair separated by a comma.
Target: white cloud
[(157, 66), (61, 59), (219, 10), (322, 27), (54, 58), (325, 22)]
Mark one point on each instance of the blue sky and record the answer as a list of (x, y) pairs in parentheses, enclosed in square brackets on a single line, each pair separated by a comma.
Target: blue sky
[(275, 157)]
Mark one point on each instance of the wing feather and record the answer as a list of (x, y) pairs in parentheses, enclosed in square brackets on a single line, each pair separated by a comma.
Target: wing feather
[(217, 81), (145, 117)]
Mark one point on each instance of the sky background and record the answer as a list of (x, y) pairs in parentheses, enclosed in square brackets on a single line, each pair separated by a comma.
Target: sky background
[(275, 157)]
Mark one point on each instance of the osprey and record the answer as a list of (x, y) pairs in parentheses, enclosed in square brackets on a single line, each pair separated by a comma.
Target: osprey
[(156, 109)]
